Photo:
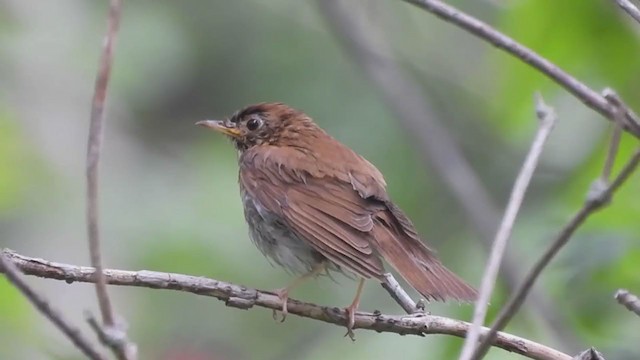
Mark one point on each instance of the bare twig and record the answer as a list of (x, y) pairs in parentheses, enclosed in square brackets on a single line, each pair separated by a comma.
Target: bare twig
[(592, 204), (123, 351), (612, 152), (368, 46), (76, 337), (399, 295), (547, 118), (93, 159), (244, 298), (484, 31), (613, 98), (630, 8), (628, 300)]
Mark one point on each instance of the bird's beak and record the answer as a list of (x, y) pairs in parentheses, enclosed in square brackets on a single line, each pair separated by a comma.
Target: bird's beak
[(219, 125)]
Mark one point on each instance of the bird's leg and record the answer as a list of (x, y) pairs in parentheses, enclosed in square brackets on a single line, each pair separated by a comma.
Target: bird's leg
[(283, 293), (351, 311)]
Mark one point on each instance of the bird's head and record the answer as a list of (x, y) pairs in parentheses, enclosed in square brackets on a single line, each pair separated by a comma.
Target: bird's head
[(265, 123)]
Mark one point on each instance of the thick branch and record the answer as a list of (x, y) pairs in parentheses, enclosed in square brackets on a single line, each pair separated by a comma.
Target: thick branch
[(484, 31), (244, 298)]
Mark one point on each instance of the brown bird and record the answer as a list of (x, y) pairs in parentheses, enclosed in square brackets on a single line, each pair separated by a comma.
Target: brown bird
[(313, 205)]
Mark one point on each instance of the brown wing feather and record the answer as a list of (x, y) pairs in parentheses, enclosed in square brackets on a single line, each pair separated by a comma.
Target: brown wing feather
[(341, 208), (327, 232), (324, 224)]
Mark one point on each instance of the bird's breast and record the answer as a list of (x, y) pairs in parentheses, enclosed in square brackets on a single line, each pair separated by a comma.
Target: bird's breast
[(273, 237)]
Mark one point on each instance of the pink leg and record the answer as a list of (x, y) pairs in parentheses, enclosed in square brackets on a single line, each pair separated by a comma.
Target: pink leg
[(283, 293), (351, 311)]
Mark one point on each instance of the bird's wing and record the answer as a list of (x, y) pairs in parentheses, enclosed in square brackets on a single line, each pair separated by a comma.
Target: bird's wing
[(325, 211), (341, 208)]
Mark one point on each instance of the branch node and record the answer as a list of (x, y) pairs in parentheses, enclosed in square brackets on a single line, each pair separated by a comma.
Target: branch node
[(628, 300), (623, 115), (114, 336), (240, 302), (598, 194), (545, 113)]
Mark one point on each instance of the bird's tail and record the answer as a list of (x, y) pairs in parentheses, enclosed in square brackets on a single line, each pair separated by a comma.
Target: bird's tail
[(397, 241)]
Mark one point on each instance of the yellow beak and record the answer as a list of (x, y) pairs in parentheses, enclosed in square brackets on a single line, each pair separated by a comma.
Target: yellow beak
[(219, 126)]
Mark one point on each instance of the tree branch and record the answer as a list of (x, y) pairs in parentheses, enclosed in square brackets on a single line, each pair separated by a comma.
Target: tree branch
[(12, 274), (546, 120), (484, 31), (120, 346), (630, 8), (593, 203), (244, 298), (399, 295), (628, 300)]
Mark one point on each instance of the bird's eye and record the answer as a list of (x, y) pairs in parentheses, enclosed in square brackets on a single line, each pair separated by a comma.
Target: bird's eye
[(254, 123)]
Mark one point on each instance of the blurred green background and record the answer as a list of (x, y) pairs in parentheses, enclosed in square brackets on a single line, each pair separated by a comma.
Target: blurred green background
[(169, 196)]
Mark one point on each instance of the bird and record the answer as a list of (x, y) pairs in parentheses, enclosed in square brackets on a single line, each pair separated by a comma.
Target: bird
[(314, 206)]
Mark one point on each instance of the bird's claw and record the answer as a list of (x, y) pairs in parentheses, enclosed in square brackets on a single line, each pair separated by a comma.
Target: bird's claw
[(283, 295), (351, 321)]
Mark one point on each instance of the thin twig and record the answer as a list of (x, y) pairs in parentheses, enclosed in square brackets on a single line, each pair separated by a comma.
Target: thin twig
[(628, 300), (592, 204), (123, 351), (399, 295), (613, 98), (546, 120), (612, 152), (484, 31), (40, 303), (244, 298), (630, 8), (366, 42)]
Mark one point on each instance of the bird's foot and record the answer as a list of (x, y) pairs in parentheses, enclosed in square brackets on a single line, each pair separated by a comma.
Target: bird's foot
[(283, 295), (351, 320)]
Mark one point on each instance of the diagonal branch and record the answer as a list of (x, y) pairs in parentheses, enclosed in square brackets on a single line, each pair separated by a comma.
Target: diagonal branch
[(630, 8), (484, 31), (12, 274), (244, 298), (399, 295), (593, 203), (547, 119), (628, 300)]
